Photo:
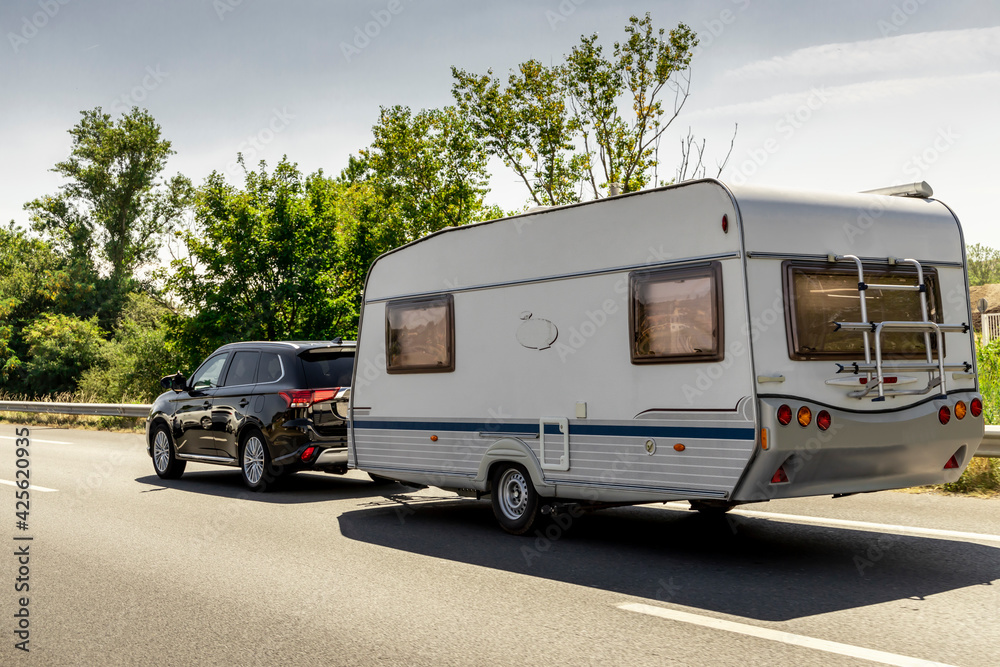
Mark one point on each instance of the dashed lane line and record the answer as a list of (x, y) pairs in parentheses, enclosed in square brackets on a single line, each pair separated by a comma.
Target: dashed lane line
[(779, 636), (43, 489)]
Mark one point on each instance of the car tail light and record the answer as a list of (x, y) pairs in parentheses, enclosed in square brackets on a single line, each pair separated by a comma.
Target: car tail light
[(960, 410), (779, 476), (804, 416), (784, 415), (303, 398), (944, 414), (824, 420), (307, 453), (976, 407)]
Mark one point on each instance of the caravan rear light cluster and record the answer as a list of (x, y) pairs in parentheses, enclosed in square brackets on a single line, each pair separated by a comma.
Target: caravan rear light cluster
[(804, 417), (303, 398)]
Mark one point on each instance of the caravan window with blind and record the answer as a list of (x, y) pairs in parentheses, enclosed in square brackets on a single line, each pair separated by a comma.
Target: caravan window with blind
[(420, 335), (676, 315), (816, 296)]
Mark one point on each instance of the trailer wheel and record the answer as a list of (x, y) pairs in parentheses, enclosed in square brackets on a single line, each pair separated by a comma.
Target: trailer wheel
[(515, 500)]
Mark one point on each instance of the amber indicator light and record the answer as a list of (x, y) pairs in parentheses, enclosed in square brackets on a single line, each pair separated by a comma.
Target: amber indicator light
[(805, 416)]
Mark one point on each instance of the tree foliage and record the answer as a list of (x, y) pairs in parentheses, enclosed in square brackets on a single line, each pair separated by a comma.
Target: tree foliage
[(113, 210), (984, 264), (262, 262), (562, 126), (427, 168), (60, 348)]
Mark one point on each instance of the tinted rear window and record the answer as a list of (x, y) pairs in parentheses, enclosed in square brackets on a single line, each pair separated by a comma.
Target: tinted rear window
[(325, 370)]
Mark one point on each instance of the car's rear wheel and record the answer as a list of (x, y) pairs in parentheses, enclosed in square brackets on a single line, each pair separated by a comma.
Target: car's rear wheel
[(165, 460), (514, 498), (255, 462)]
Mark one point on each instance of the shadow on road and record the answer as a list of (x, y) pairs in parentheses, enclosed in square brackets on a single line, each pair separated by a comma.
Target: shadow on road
[(754, 568), (295, 489)]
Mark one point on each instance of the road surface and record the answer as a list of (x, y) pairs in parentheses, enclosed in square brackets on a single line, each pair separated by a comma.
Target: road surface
[(128, 569)]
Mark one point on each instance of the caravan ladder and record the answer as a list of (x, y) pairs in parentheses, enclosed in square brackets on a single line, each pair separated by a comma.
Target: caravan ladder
[(934, 365)]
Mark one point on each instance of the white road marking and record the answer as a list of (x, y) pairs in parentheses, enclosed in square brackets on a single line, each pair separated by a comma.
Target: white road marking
[(779, 636), (847, 523), (34, 439), (30, 486)]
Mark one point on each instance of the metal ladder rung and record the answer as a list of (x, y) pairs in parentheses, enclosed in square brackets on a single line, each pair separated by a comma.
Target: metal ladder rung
[(901, 367), (928, 327), (924, 326)]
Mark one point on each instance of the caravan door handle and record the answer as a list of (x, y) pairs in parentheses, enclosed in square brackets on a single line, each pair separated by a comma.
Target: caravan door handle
[(206, 405), (244, 402)]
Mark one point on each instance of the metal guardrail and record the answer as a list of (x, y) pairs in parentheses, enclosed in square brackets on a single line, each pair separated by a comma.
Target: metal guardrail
[(990, 447), (94, 409)]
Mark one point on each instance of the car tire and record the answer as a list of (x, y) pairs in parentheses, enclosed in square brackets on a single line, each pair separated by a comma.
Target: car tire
[(515, 501), (255, 462), (165, 461)]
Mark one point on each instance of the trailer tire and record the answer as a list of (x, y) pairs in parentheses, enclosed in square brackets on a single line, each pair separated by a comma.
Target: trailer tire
[(514, 498)]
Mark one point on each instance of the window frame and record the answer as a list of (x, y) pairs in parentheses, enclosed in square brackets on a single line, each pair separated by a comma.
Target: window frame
[(711, 270), (872, 275), (441, 299)]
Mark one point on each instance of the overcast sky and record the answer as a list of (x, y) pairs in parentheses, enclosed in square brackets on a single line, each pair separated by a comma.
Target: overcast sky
[(842, 96)]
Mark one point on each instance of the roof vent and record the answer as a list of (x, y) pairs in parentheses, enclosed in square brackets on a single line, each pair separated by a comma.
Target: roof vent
[(921, 189)]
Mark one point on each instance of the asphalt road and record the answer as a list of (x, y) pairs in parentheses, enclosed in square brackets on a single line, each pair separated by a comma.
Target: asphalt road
[(128, 569)]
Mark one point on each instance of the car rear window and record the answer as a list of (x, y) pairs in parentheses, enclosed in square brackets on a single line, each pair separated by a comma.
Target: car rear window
[(324, 370)]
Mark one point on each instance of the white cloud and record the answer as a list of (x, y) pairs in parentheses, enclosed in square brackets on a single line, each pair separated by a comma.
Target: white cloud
[(917, 53), (856, 93)]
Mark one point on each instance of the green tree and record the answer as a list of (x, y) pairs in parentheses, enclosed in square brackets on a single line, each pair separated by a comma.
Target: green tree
[(593, 119), (35, 279), (60, 348), (528, 125), (426, 167), (984, 264), (262, 262), (113, 209), (129, 365)]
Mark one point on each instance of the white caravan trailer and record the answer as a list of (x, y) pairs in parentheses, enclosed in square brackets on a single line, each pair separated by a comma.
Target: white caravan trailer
[(700, 342)]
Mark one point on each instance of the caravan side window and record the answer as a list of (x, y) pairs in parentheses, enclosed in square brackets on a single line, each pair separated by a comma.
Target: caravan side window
[(420, 335), (676, 314)]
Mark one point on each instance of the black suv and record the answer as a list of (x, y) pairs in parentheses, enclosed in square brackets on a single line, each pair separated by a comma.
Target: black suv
[(269, 408)]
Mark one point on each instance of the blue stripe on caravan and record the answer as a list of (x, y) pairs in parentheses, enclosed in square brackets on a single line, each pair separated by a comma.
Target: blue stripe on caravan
[(638, 430)]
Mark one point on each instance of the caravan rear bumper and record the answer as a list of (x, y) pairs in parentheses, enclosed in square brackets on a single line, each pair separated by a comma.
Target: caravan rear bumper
[(861, 451)]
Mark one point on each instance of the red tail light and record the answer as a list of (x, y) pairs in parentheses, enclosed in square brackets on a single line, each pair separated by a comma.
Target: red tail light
[(952, 463), (303, 398), (779, 476), (944, 414), (823, 420), (976, 407), (307, 454), (784, 415)]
